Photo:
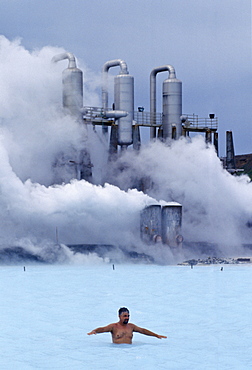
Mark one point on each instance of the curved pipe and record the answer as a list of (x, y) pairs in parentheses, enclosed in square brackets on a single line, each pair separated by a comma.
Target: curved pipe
[(153, 93), (106, 67), (69, 56), (114, 63)]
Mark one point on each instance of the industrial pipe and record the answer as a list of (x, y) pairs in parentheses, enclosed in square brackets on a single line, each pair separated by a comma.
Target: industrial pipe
[(115, 114), (172, 76), (72, 80), (123, 100), (106, 67), (72, 94), (69, 56)]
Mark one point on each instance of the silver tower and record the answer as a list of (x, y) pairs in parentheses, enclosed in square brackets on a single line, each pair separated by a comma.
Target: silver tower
[(172, 103)]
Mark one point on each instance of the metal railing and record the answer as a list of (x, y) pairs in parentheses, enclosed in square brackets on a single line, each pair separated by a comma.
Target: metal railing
[(96, 114), (148, 119), (192, 121)]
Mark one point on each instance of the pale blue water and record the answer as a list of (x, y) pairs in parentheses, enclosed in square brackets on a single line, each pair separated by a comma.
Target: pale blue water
[(46, 312)]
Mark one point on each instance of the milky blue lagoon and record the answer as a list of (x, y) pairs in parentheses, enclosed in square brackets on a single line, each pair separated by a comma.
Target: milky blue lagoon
[(47, 310)]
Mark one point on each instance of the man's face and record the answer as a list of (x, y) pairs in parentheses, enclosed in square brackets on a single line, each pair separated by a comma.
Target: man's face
[(124, 318)]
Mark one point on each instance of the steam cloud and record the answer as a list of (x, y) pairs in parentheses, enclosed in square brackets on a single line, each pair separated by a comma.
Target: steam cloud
[(34, 129), (216, 205)]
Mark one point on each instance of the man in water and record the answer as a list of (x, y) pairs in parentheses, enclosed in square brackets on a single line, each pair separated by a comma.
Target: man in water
[(122, 331)]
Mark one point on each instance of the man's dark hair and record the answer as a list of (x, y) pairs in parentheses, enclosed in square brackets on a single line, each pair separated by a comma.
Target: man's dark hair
[(122, 309)]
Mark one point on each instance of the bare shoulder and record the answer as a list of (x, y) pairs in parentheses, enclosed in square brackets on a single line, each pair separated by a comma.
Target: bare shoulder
[(109, 327), (135, 327)]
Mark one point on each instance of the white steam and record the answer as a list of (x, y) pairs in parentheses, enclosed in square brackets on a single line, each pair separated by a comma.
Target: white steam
[(216, 205), (33, 125), (34, 129)]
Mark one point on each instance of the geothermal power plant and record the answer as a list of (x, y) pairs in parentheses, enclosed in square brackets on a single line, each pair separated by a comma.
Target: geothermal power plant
[(121, 123), (122, 117)]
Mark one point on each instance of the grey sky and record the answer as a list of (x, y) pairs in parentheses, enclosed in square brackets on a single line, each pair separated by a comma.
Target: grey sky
[(208, 43)]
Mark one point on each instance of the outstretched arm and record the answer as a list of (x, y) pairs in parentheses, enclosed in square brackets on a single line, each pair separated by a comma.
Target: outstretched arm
[(103, 329), (147, 332)]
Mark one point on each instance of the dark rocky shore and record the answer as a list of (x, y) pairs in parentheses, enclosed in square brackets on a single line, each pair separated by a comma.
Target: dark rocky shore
[(216, 261)]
